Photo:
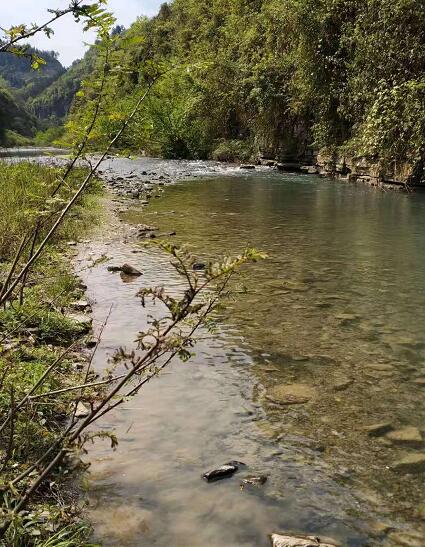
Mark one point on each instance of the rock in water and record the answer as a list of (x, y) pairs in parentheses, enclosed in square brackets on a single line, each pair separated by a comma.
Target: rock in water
[(411, 463), (198, 266), (408, 436), (247, 166), (129, 270), (223, 472), (125, 268), (291, 394), (377, 430), (290, 540), (257, 480)]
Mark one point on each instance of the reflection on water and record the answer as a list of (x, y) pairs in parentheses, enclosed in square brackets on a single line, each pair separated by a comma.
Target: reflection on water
[(338, 309)]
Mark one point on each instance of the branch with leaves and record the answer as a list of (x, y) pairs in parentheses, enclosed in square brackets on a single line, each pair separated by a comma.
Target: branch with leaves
[(93, 15), (169, 336)]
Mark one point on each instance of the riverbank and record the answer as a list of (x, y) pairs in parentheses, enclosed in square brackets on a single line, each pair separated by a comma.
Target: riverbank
[(44, 333)]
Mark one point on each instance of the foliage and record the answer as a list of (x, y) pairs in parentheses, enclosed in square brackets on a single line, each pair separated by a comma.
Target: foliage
[(26, 189), (18, 73), (281, 76), (232, 151), (15, 120), (33, 337)]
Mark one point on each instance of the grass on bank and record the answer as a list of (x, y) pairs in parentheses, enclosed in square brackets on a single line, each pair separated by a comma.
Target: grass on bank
[(32, 336)]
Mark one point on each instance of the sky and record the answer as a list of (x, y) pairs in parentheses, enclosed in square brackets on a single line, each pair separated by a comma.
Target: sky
[(69, 38)]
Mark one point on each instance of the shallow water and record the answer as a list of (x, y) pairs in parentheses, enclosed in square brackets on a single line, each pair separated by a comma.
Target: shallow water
[(339, 306)]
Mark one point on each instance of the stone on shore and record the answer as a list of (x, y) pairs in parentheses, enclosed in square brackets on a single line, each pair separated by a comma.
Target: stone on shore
[(80, 305), (82, 320), (291, 394), (81, 411)]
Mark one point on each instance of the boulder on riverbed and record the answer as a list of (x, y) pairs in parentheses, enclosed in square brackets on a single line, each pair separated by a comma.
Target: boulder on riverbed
[(409, 436), (298, 540), (291, 394), (411, 463)]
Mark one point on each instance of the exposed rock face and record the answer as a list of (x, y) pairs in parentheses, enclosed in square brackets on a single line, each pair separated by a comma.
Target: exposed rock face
[(289, 167), (371, 172), (289, 540), (292, 394)]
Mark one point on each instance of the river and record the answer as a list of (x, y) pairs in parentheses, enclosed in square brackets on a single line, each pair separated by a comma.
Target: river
[(337, 308)]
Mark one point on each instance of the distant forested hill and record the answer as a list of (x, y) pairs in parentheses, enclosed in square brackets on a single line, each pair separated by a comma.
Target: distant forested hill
[(55, 100), (16, 123), (33, 100), (26, 82)]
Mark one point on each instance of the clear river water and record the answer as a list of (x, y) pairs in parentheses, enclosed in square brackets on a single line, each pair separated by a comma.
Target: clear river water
[(338, 308)]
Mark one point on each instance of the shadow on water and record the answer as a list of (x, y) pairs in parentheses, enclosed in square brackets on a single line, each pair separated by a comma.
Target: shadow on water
[(337, 310)]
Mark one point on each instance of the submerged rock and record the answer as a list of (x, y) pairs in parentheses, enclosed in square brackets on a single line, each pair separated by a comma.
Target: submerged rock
[(411, 463), (377, 430), (291, 394), (257, 480), (224, 472), (146, 228), (407, 539), (406, 436), (419, 382), (342, 383), (297, 540)]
